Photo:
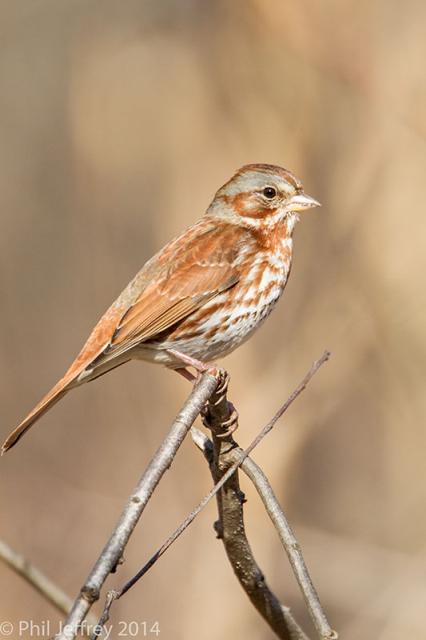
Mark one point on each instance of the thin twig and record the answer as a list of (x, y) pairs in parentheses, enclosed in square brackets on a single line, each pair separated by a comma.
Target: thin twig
[(40, 582), (113, 550), (292, 547), (115, 595), (287, 537)]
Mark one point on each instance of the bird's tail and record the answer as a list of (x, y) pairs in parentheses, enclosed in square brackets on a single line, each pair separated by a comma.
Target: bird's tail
[(51, 398)]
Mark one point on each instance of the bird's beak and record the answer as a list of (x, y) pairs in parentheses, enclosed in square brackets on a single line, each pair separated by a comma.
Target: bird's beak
[(301, 201)]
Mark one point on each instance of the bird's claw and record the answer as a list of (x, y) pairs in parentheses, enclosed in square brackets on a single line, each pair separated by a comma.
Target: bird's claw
[(223, 379), (227, 427), (231, 423)]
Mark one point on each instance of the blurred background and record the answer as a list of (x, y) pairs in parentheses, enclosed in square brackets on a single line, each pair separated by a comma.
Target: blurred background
[(118, 122)]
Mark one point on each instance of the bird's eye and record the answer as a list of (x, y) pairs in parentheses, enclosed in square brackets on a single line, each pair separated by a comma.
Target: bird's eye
[(269, 192)]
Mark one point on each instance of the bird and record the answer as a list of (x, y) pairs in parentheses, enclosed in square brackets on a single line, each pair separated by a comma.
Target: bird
[(205, 293)]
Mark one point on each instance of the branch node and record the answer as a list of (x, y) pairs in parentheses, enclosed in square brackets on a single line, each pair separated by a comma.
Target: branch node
[(217, 526), (121, 560), (241, 497), (90, 594)]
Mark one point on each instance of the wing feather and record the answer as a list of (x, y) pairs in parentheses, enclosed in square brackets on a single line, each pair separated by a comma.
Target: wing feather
[(202, 270)]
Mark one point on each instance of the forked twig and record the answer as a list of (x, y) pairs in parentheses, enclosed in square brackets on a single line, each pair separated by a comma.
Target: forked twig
[(231, 529), (285, 532)]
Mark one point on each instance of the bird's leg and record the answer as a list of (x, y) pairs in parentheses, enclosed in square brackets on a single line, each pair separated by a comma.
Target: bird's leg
[(199, 366), (186, 374), (231, 423)]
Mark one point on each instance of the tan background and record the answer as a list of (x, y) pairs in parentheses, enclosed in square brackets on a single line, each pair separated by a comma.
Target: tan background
[(118, 121)]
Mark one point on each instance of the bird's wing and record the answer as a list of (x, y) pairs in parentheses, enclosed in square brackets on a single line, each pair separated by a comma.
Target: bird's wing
[(202, 271), (184, 275)]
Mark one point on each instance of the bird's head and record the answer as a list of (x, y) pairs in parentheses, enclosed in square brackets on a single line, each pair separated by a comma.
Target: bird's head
[(261, 195)]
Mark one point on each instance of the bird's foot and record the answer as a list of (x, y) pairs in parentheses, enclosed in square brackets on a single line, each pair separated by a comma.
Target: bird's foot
[(227, 427)]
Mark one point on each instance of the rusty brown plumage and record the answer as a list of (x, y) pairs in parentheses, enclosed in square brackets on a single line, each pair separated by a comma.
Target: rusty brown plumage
[(205, 292)]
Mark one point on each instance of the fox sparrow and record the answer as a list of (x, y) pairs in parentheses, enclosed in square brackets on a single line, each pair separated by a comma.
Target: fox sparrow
[(205, 292)]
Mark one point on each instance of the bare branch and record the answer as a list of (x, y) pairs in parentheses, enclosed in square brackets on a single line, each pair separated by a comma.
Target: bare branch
[(40, 582), (231, 523), (294, 631), (161, 461), (230, 526), (287, 537)]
